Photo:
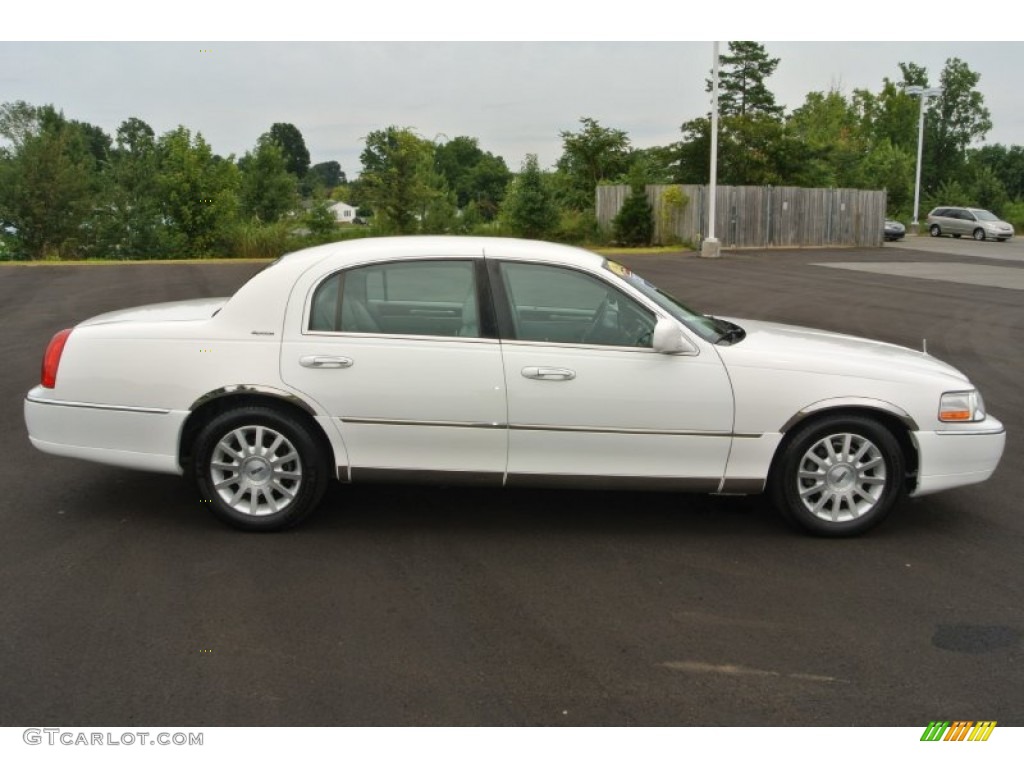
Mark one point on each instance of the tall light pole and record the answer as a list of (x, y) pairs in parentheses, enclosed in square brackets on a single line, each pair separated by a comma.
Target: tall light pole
[(709, 249), (924, 94)]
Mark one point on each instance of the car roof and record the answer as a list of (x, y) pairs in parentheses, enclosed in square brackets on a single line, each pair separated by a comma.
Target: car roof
[(369, 249), (266, 293)]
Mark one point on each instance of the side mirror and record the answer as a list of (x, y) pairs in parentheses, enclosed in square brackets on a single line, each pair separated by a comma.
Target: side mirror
[(670, 340)]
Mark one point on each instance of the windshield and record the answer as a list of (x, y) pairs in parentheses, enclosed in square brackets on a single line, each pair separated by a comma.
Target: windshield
[(984, 215), (708, 328)]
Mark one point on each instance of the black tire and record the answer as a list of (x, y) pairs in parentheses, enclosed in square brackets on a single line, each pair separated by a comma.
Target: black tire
[(258, 470), (935, 230), (868, 488), (979, 234)]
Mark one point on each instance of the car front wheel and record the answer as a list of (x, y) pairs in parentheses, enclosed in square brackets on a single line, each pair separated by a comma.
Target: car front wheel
[(258, 470), (979, 234), (838, 476), (934, 230)]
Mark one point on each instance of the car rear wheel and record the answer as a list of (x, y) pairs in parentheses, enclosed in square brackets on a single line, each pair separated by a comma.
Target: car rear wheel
[(979, 234), (934, 230), (838, 476), (258, 470)]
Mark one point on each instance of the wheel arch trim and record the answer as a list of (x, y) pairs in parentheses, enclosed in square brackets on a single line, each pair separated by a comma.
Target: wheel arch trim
[(252, 389), (839, 403), (222, 397)]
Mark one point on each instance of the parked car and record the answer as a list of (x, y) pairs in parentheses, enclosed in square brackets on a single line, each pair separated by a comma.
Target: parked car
[(976, 222), (894, 230), (507, 363)]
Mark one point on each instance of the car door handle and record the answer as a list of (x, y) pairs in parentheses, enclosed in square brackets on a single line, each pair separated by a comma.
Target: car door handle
[(549, 374), (325, 361)]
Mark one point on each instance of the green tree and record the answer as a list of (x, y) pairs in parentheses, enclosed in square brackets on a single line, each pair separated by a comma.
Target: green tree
[(634, 223), (741, 75), (320, 221), (293, 148), (329, 174), (1007, 163), (956, 118), (987, 189), (473, 175), (135, 227), (892, 115), (198, 191), (529, 209), (891, 168), (268, 189), (752, 150), (589, 156), (660, 163), (397, 181), (97, 142), (48, 184), (913, 74), (830, 128)]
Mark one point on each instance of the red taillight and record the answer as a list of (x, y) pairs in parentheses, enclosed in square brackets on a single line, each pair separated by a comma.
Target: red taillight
[(51, 360)]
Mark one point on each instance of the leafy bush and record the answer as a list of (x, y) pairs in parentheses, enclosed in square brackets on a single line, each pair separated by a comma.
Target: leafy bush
[(529, 209), (1014, 213), (578, 227), (673, 203), (634, 223), (255, 240)]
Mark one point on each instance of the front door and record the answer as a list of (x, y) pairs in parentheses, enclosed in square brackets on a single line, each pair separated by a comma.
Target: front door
[(590, 400)]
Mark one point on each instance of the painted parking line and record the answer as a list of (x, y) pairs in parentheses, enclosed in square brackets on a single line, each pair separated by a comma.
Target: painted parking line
[(950, 272)]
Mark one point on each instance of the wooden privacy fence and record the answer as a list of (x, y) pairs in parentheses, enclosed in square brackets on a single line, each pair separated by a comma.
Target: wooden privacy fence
[(751, 217)]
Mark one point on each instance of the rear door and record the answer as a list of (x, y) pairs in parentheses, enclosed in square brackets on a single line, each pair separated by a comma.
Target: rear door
[(402, 357)]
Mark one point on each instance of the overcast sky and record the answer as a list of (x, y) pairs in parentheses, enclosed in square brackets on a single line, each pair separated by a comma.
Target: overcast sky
[(514, 97)]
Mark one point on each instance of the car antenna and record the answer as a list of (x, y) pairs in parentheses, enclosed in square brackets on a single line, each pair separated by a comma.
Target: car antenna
[(924, 346)]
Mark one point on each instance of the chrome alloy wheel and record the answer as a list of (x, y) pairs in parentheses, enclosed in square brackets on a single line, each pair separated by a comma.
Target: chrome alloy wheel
[(255, 470), (841, 477)]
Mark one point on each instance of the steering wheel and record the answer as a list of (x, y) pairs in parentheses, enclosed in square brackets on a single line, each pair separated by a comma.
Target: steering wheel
[(598, 321)]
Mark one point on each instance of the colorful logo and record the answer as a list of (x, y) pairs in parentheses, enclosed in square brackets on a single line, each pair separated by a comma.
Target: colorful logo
[(959, 730)]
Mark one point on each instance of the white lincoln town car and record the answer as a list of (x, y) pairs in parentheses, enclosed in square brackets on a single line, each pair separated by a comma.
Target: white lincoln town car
[(508, 363)]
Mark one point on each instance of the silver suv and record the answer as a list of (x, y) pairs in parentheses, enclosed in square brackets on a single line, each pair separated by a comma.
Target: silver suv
[(976, 222)]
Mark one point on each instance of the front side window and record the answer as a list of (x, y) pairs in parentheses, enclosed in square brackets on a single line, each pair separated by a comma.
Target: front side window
[(707, 327), (405, 298), (560, 305)]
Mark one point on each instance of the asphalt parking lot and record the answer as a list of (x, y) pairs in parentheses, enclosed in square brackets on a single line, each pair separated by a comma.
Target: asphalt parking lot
[(1010, 250), (124, 602)]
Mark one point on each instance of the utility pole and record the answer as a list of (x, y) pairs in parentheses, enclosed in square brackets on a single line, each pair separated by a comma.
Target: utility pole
[(710, 248), (924, 94)]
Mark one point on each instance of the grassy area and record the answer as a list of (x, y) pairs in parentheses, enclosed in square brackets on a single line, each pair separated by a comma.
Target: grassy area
[(118, 262), (604, 250), (607, 250)]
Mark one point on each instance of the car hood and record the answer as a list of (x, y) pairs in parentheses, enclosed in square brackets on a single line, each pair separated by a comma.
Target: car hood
[(170, 311), (790, 347)]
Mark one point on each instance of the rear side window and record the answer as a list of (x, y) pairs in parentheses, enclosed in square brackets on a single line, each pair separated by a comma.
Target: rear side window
[(407, 298)]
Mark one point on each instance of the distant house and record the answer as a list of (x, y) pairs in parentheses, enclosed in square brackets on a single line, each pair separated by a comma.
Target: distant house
[(343, 212)]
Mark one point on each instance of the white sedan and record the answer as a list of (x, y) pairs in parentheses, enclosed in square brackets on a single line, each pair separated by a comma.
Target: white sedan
[(501, 362)]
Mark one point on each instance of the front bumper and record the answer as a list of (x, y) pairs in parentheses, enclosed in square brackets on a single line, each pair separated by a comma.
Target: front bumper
[(951, 458)]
